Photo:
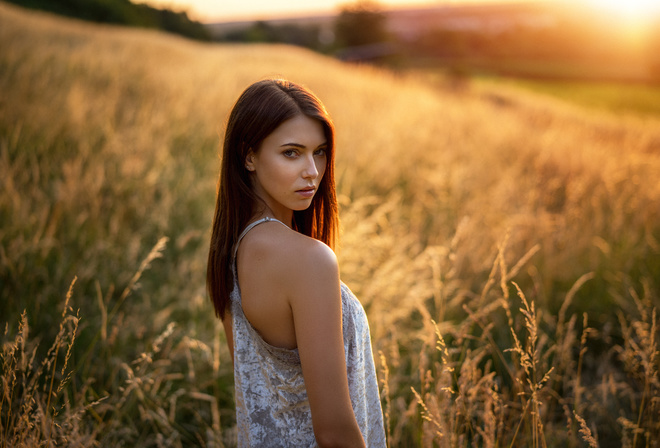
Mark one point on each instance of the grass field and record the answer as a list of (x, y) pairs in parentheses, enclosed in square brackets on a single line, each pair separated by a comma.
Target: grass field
[(505, 244), (617, 99)]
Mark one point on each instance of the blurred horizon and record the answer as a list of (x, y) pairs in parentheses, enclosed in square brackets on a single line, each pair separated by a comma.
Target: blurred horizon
[(595, 40), (208, 11), (633, 12)]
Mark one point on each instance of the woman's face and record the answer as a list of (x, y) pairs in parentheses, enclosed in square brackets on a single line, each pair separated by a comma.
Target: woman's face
[(288, 167)]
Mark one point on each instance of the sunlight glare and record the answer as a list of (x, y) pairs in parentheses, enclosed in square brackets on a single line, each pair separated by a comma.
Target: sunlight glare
[(634, 11)]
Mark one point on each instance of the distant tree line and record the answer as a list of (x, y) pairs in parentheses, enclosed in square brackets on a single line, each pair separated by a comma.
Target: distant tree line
[(123, 12), (308, 36), (358, 25)]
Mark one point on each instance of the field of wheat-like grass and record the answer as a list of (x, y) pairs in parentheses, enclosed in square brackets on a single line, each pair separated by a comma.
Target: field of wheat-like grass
[(506, 246)]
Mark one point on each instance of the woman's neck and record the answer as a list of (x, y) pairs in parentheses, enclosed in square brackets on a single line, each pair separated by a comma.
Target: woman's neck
[(285, 217)]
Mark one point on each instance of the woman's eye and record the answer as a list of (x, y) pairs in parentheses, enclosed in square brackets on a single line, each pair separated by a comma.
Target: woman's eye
[(319, 152), (290, 153)]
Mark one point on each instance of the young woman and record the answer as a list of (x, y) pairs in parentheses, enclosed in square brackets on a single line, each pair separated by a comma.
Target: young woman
[(303, 368)]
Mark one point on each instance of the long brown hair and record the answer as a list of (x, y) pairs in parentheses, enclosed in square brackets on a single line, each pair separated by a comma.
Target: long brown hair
[(260, 109)]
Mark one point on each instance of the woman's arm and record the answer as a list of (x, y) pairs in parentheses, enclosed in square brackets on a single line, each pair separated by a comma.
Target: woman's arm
[(315, 299)]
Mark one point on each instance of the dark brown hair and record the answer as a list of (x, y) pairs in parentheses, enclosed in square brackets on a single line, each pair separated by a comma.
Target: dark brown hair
[(260, 109)]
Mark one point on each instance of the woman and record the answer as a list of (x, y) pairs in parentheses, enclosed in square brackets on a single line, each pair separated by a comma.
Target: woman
[(303, 368)]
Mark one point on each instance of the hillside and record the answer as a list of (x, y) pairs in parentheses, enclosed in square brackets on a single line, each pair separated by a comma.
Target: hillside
[(450, 192), (123, 12)]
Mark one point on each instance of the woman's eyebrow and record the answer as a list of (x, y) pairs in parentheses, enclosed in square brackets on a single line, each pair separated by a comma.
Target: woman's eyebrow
[(298, 145)]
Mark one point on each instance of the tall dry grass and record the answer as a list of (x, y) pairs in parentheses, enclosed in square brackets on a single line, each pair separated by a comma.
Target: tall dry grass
[(504, 245)]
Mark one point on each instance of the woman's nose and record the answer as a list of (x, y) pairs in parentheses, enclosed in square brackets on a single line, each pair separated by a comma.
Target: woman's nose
[(310, 169)]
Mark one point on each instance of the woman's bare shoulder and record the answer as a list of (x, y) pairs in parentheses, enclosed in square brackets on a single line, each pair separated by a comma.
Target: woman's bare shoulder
[(288, 252), (312, 272)]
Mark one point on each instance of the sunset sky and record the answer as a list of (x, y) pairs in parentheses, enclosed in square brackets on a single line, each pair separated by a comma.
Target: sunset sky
[(228, 10)]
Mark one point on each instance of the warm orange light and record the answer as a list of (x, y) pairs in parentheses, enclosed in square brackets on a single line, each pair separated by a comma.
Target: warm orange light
[(633, 11), (636, 18)]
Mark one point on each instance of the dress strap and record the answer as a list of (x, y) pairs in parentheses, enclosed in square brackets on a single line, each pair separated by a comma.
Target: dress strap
[(252, 226)]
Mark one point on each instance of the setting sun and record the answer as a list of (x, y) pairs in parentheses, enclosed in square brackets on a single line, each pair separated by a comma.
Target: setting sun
[(630, 10)]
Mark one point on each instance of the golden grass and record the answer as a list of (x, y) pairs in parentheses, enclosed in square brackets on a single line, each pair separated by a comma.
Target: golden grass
[(505, 246)]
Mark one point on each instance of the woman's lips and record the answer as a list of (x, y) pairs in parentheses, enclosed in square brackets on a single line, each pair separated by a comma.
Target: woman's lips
[(306, 192)]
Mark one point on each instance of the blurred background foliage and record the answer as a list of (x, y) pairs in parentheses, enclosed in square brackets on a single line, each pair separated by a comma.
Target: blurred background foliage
[(123, 12)]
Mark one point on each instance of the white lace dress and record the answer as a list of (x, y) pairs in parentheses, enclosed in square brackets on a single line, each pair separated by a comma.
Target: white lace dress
[(272, 409)]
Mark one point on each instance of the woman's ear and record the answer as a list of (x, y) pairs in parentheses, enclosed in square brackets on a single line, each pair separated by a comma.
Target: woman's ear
[(249, 161)]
